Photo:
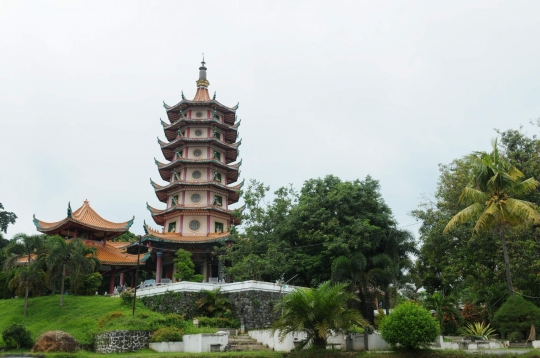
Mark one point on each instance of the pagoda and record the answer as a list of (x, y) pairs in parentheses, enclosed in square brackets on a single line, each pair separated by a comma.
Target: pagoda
[(201, 175), (87, 225)]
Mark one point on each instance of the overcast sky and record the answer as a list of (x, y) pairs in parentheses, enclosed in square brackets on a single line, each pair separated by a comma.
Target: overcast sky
[(382, 88)]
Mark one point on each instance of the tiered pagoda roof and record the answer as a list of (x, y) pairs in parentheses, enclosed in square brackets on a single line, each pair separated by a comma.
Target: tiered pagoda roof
[(84, 218), (155, 235)]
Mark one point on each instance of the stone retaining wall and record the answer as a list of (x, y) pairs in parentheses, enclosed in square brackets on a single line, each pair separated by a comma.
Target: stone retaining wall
[(121, 341), (256, 307)]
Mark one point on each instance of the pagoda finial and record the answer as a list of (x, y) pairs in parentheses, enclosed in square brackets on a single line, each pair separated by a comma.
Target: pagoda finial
[(202, 82), (183, 97), (69, 211), (214, 98)]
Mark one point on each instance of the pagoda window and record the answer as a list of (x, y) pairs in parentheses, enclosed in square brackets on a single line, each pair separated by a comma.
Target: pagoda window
[(180, 133), (174, 200), (217, 155), (219, 227), (217, 135), (216, 116), (175, 176), (179, 154), (172, 227), (217, 177), (218, 200)]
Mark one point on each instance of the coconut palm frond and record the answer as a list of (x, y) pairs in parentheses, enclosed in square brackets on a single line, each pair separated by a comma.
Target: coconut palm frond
[(487, 219), (463, 216), (515, 173), (522, 211), (526, 186), (471, 195)]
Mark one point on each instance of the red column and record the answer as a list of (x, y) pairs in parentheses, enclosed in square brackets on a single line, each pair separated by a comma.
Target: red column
[(158, 267), (122, 279), (111, 284)]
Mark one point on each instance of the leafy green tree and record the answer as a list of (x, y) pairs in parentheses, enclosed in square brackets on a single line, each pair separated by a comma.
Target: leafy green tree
[(72, 256), (297, 236), (27, 279), (185, 268), (214, 304), (491, 199), (128, 236), (17, 336), (409, 326), (318, 312), (6, 218), (445, 309), (24, 247), (517, 315)]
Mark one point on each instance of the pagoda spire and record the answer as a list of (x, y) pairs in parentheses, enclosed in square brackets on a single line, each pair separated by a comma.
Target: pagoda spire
[(202, 82)]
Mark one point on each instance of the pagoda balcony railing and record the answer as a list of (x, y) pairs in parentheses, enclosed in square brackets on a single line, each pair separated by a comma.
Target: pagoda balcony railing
[(207, 120)]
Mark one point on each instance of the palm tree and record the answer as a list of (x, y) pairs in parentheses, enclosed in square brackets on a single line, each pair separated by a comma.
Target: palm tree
[(22, 247), (73, 256), (491, 199), (442, 305), (214, 304), (318, 312), (27, 279)]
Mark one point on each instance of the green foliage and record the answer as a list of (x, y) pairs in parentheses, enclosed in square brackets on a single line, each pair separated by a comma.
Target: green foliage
[(218, 322), (167, 334), (515, 336), (185, 268), (90, 284), (214, 304), (174, 320), (128, 236), (109, 317), (6, 218), (470, 265), (300, 235), (517, 315), (127, 296), (409, 326), (379, 317), (318, 312), (479, 330), (446, 313), (17, 336)]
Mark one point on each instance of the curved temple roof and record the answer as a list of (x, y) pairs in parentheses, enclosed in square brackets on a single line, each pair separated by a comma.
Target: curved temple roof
[(154, 235), (84, 216)]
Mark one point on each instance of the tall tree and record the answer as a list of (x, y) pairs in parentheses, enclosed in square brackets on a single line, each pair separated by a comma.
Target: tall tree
[(6, 218), (71, 256), (23, 246), (492, 199), (185, 268)]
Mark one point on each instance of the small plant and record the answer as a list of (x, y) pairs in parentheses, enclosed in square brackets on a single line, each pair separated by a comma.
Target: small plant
[(174, 320), (409, 326), (109, 317), (379, 317), (17, 336), (515, 337), (214, 304), (479, 330), (218, 322), (168, 334), (127, 296)]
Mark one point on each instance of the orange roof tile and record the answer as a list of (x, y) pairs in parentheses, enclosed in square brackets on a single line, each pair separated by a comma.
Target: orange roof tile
[(202, 95), (110, 254), (85, 216)]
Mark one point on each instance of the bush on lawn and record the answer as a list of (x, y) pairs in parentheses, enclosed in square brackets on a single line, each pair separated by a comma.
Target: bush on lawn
[(17, 336), (517, 315), (409, 326), (167, 334)]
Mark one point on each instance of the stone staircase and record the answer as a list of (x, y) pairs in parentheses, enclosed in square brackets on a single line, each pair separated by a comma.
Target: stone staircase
[(243, 342)]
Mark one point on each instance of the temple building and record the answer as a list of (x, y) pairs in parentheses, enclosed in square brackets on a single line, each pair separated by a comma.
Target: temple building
[(88, 226), (200, 174)]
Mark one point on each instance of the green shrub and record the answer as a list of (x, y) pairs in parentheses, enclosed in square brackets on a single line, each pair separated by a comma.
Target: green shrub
[(379, 317), (174, 320), (517, 315), (103, 320), (409, 326), (17, 336), (515, 337), (167, 334), (218, 322), (90, 284), (127, 296)]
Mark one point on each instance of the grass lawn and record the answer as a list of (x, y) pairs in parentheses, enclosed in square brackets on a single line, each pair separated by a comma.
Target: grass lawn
[(79, 316)]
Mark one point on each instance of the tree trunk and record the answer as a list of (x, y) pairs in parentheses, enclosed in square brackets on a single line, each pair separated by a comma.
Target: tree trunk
[(506, 262), (26, 299), (62, 285)]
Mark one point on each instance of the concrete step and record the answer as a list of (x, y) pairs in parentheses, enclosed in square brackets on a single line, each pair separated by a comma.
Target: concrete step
[(249, 347), (241, 343)]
